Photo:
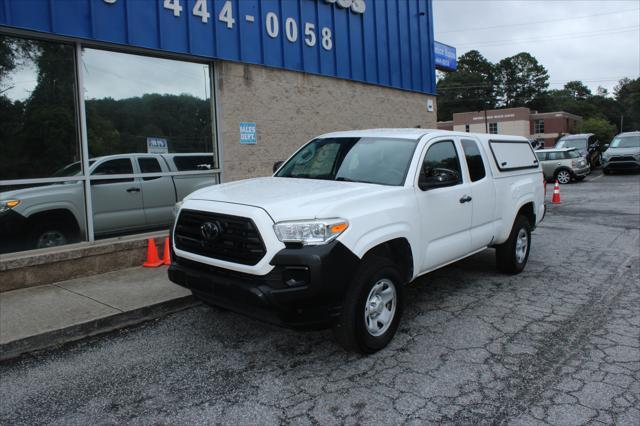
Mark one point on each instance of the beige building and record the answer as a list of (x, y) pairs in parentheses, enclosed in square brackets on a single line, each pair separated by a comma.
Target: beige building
[(289, 108), (547, 127)]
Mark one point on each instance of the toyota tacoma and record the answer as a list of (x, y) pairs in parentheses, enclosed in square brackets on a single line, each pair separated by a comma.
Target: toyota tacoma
[(332, 238)]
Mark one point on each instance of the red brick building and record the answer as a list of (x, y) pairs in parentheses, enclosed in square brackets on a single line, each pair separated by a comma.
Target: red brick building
[(546, 126)]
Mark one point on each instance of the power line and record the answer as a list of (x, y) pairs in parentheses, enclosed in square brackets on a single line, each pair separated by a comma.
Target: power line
[(558, 82), (535, 22), (487, 43)]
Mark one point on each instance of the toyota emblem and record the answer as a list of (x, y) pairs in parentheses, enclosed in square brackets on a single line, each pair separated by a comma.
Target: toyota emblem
[(210, 231)]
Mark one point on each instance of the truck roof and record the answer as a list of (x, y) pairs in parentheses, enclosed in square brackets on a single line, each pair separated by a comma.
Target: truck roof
[(416, 133), (577, 136), (555, 149)]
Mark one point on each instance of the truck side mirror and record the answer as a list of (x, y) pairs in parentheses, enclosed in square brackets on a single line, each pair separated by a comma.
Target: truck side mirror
[(605, 147), (277, 165), (439, 178)]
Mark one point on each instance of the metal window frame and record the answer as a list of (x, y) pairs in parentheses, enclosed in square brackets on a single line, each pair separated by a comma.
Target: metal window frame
[(81, 119)]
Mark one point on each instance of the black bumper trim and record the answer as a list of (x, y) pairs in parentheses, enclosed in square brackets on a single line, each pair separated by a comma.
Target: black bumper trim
[(321, 277)]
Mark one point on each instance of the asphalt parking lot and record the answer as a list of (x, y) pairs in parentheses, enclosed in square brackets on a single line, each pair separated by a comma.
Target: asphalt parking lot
[(557, 344)]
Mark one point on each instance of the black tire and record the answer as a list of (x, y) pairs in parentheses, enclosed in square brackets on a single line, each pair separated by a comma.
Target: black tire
[(507, 260), (45, 235), (351, 330), (560, 176)]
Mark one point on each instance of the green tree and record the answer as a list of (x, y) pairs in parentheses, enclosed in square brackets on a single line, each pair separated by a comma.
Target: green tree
[(520, 79), (470, 88), (627, 94), (603, 129), (577, 90)]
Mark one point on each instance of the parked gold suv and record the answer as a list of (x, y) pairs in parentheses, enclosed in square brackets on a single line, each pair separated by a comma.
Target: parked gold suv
[(563, 165)]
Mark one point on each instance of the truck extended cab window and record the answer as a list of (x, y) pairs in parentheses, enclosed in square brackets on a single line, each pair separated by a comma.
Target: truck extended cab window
[(474, 160), (370, 160)]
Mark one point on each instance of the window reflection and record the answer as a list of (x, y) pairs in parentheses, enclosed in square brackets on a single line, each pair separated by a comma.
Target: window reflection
[(43, 215), (38, 132), (133, 101), (145, 115)]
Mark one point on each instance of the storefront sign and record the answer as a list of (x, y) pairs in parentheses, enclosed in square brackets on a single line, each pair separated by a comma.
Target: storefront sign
[(248, 133), (382, 42), (446, 59), (157, 146)]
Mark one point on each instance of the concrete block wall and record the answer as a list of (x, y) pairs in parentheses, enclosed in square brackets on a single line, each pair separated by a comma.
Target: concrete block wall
[(289, 108)]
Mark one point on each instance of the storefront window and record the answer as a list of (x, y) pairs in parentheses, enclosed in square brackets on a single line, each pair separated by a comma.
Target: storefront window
[(42, 197), (149, 119)]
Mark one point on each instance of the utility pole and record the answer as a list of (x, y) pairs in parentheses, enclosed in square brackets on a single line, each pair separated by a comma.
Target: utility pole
[(621, 123), (486, 124)]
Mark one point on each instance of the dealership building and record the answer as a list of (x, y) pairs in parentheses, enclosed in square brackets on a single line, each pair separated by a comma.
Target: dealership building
[(546, 127), (224, 87)]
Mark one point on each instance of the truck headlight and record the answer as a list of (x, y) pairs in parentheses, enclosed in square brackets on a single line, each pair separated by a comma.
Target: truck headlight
[(310, 232), (6, 205), (176, 209)]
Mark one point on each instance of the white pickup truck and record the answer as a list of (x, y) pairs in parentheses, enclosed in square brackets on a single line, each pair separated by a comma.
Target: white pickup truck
[(332, 238)]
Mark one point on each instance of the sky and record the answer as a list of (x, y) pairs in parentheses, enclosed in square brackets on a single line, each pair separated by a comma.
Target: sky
[(595, 41)]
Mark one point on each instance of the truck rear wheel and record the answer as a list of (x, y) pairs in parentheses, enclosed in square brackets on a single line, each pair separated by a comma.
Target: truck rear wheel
[(372, 307), (512, 255)]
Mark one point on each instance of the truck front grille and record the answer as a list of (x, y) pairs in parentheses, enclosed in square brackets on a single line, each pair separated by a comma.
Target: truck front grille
[(622, 158), (229, 238)]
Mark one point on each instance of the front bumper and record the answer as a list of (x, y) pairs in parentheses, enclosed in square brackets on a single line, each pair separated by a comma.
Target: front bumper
[(13, 230), (581, 172), (621, 165), (304, 290)]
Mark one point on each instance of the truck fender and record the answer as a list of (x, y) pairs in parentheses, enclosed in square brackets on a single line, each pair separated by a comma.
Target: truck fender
[(60, 205), (507, 222), (372, 238)]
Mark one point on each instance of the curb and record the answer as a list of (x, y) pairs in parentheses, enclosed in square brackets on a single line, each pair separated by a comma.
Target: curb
[(95, 327)]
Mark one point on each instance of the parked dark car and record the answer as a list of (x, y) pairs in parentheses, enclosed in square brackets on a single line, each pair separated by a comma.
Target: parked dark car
[(587, 145)]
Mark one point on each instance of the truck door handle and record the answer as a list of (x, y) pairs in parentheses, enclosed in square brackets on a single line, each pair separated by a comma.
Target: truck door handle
[(134, 189), (465, 199)]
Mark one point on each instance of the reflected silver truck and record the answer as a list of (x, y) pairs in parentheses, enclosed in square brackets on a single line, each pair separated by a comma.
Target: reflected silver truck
[(52, 215)]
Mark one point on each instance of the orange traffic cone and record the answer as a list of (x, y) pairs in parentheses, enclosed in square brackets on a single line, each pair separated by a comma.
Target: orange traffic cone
[(167, 256), (153, 261), (556, 194)]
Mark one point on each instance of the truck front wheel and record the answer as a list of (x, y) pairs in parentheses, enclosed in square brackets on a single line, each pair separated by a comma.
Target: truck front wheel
[(512, 255), (372, 307), (50, 232)]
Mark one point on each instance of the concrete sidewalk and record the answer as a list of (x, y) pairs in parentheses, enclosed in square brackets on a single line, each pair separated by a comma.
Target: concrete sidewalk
[(41, 317)]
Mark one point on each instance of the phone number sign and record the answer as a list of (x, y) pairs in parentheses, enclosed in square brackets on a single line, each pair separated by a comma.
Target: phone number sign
[(382, 42)]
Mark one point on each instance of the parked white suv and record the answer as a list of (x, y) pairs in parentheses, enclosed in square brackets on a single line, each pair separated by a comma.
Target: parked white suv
[(332, 238)]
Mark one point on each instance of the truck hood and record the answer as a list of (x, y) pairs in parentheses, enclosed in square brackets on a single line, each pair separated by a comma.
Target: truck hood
[(293, 199), (35, 191), (622, 151)]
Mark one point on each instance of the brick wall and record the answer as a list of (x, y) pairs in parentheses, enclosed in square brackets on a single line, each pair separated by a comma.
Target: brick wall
[(289, 108)]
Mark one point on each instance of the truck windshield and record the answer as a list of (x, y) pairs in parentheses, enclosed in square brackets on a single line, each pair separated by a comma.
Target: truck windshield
[(626, 142), (572, 143), (72, 169), (370, 160)]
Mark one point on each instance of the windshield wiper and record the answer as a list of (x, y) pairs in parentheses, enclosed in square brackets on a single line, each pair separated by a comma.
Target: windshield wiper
[(346, 179)]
